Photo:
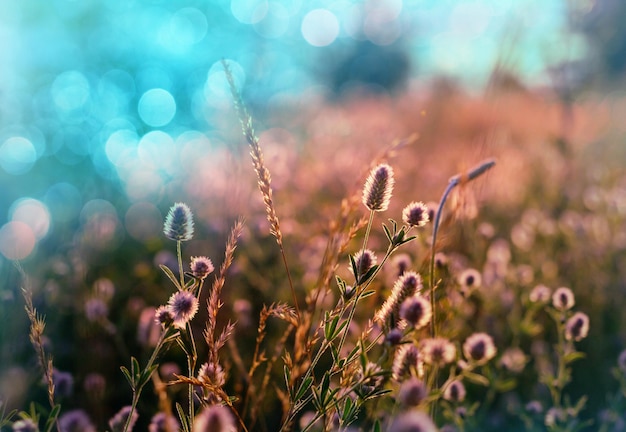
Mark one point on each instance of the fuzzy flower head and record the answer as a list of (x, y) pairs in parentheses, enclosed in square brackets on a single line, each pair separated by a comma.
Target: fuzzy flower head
[(401, 263), (183, 305), (179, 223), (75, 421), (439, 351), (469, 279), (378, 188), (163, 316), (25, 425), (364, 259), (201, 267), (539, 294), (413, 421), (479, 348), (212, 374), (563, 299), (454, 392), (416, 311), (412, 392), (577, 327), (415, 214), (407, 285), (216, 418), (514, 360), (405, 360), (162, 422), (118, 421)]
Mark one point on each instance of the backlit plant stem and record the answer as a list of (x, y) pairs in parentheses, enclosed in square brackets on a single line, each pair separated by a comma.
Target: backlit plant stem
[(452, 183)]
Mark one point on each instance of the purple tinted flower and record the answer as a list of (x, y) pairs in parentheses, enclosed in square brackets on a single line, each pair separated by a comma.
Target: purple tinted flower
[(563, 299), (412, 392), (216, 418), (416, 310), (118, 421), (577, 327), (179, 223), (439, 351), (25, 425), (415, 214), (479, 348), (413, 421), (378, 188), (454, 392), (76, 421), (161, 422), (201, 267), (183, 305)]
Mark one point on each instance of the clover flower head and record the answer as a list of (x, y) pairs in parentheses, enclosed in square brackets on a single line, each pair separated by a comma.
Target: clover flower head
[(407, 285), (412, 392), (179, 223), (183, 305), (416, 310), (438, 351), (201, 267), (454, 392), (479, 348), (415, 214), (76, 421), (378, 188), (212, 373), (364, 259), (406, 359), (25, 425), (413, 421), (118, 421), (469, 279), (540, 294), (163, 316), (563, 299), (577, 327), (162, 422), (215, 418)]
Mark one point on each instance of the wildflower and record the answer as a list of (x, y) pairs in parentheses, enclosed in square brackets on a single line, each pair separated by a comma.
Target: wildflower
[(378, 188), (439, 351), (534, 407), (432, 207), (514, 360), (364, 260), (406, 286), (563, 299), (118, 421), (96, 309), (371, 377), (415, 214), (413, 421), (553, 416), (162, 422), (216, 418), (406, 358), (539, 294), (441, 260), (75, 421), (577, 327), (454, 392), (163, 316), (104, 289), (412, 392), (25, 425), (416, 311), (183, 305), (179, 223), (212, 374), (63, 383), (201, 267), (394, 337), (401, 263), (479, 348), (470, 279)]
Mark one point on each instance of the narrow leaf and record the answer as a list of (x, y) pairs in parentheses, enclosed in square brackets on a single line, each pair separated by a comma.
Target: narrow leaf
[(52, 418), (304, 387), (170, 275)]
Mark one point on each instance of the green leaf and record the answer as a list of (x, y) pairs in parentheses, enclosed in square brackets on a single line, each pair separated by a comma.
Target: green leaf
[(128, 377), (476, 379), (324, 388), (368, 274), (507, 385), (354, 269), (340, 283), (387, 233), (376, 426), (135, 369), (329, 327), (573, 356), (170, 275), (287, 375), (145, 375), (184, 422), (304, 387), (52, 418)]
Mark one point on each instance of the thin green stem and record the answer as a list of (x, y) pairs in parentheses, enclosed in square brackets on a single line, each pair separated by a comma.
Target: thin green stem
[(180, 264)]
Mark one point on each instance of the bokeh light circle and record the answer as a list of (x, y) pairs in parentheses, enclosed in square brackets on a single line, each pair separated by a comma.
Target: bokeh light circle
[(33, 213), (143, 221), (249, 11), (216, 88), (17, 240), (188, 26), (17, 155), (320, 27), (70, 91), (156, 107), (275, 22)]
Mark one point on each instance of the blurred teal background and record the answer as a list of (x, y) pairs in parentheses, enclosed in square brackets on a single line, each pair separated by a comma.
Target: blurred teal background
[(102, 102)]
